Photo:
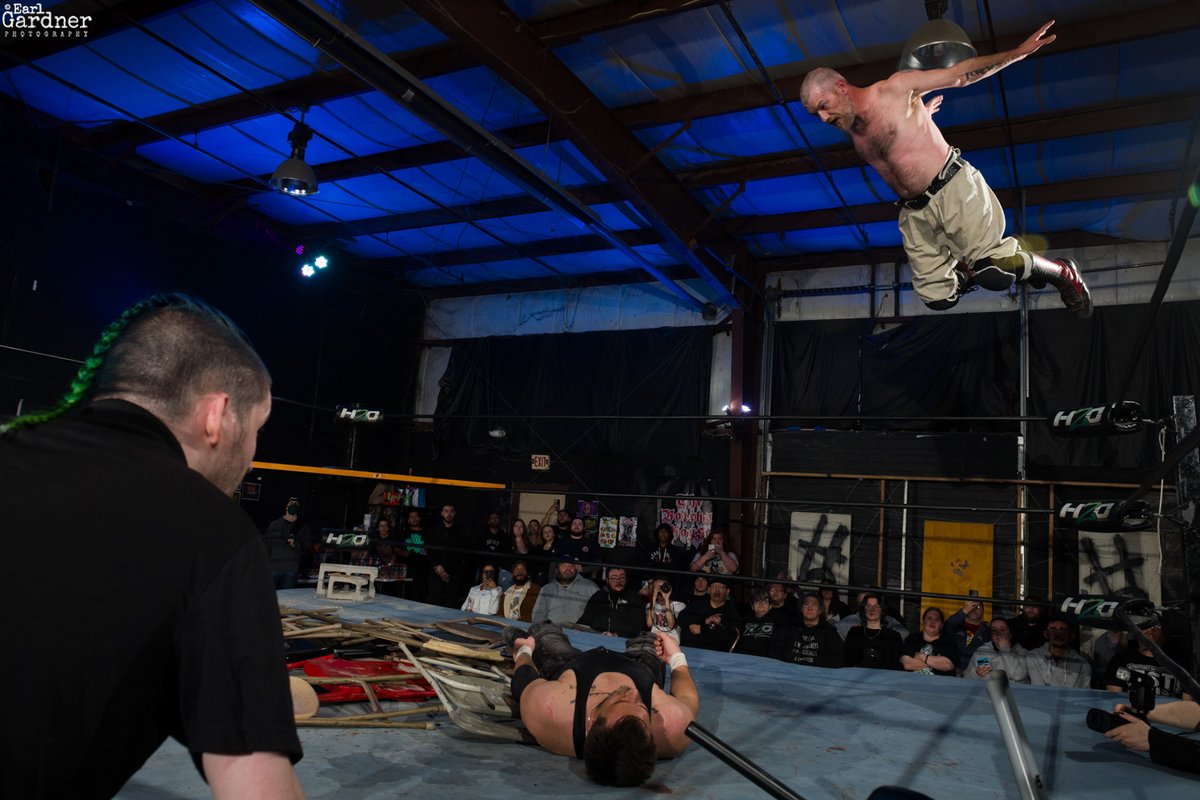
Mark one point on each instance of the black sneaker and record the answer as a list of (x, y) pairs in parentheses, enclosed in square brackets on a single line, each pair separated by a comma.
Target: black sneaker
[(1074, 291)]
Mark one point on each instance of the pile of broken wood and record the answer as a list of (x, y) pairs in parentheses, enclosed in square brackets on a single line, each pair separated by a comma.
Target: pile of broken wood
[(333, 661)]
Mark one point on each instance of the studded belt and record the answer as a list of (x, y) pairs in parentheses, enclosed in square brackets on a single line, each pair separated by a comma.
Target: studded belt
[(953, 165)]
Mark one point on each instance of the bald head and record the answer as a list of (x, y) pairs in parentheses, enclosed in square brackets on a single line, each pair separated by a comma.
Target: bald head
[(821, 80)]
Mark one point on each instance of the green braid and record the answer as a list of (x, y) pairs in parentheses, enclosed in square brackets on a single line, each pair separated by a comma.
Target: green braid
[(87, 373)]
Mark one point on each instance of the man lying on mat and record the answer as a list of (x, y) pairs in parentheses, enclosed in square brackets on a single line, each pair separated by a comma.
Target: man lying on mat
[(605, 707)]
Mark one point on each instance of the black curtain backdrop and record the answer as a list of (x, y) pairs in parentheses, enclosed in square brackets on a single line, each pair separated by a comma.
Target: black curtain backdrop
[(658, 372), (951, 365), (968, 365)]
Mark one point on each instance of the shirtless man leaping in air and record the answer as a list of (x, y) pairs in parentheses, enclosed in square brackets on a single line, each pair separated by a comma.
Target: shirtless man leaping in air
[(951, 221)]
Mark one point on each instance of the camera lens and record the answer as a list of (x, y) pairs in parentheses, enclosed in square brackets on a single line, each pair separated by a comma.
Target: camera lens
[(666, 588)]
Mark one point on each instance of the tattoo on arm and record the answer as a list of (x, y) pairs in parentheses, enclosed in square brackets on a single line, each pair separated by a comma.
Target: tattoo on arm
[(984, 70)]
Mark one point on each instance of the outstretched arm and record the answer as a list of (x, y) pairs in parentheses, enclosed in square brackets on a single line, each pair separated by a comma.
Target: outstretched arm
[(964, 73)]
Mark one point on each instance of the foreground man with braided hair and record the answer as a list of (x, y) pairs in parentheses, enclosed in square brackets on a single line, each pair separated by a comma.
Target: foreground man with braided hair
[(166, 624), (605, 707), (950, 219)]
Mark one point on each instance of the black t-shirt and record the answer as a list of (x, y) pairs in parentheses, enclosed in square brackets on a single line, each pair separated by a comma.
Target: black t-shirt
[(1165, 682), (757, 633), (818, 646), (873, 649), (942, 646), (165, 623)]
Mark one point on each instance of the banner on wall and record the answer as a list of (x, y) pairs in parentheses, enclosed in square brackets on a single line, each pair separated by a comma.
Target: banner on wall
[(691, 519), (819, 547), (1118, 564), (957, 558)]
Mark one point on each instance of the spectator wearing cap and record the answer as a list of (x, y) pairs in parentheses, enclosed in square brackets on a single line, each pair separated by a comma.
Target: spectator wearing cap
[(562, 600), (518, 600), (711, 622), (283, 546), (1139, 658), (1057, 663), (811, 641)]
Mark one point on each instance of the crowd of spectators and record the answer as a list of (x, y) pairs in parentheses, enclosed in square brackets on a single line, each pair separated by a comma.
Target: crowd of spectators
[(539, 570)]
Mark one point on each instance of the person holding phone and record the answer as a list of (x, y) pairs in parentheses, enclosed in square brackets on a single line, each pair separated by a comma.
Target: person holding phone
[(484, 598), (714, 559)]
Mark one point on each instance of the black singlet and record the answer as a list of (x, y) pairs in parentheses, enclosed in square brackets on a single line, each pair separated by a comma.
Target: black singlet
[(591, 665)]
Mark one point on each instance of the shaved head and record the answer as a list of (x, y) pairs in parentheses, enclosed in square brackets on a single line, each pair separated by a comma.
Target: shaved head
[(821, 79)]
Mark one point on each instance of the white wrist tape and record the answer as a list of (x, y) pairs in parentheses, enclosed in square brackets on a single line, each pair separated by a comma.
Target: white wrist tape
[(523, 650), (676, 661)]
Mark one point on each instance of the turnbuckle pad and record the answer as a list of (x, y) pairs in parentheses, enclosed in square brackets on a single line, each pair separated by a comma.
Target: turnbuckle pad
[(1111, 420), (1106, 516)]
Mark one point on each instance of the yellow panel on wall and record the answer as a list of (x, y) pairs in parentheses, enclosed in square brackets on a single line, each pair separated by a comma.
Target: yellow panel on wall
[(958, 558)]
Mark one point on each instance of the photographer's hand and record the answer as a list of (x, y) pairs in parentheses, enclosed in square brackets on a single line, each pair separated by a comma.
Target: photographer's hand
[(1135, 735)]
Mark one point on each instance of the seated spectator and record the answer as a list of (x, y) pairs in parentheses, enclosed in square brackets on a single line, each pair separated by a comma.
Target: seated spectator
[(662, 613), (711, 622), (562, 600), (758, 629), (699, 589), (518, 599), (1056, 662), (1105, 648), (811, 641), (1139, 658), (616, 609), (872, 645), (783, 600), (998, 653), (831, 599), (577, 545), (484, 598), (1029, 627), (713, 558), (966, 627), (889, 620), (928, 652)]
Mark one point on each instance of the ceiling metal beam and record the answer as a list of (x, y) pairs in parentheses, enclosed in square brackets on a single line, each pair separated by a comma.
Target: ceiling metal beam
[(1151, 185), (488, 209), (105, 18), (621, 278), (1058, 240), (439, 60), (139, 182), (312, 23), (425, 63), (1026, 130), (489, 29), (1148, 185), (566, 245)]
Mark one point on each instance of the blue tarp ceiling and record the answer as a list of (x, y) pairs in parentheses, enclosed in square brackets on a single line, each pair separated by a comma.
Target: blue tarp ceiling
[(143, 73)]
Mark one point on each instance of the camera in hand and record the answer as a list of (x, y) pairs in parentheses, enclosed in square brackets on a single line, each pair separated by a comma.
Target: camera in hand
[(665, 588), (1103, 721)]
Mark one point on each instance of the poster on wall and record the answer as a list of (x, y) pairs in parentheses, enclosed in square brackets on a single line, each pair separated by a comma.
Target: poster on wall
[(819, 547), (628, 534), (589, 512), (691, 519), (1118, 565), (957, 558), (608, 532)]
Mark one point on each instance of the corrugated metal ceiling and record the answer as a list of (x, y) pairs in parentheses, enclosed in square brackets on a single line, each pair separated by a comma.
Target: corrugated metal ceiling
[(209, 91)]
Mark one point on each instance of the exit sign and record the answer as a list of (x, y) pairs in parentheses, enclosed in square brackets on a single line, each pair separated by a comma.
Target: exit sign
[(540, 462)]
